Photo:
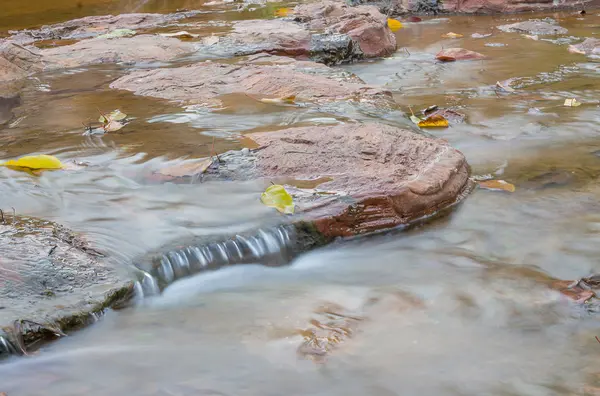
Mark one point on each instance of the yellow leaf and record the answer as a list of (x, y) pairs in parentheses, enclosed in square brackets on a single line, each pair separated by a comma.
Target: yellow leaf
[(531, 37), (497, 185), (33, 162), (415, 119), (394, 25), (452, 35), (276, 197), (572, 102), (282, 12), (435, 121), (115, 115), (280, 101)]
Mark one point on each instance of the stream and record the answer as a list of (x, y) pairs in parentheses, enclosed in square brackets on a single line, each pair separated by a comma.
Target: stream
[(456, 306)]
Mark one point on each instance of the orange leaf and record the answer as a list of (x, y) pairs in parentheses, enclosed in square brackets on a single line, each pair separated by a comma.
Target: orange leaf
[(445, 58), (497, 185), (282, 12), (434, 121)]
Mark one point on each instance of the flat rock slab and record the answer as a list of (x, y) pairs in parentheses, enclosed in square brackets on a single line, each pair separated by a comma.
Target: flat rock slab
[(93, 26), (329, 32), (537, 27), (261, 76), (457, 54), (590, 46), (50, 276), (374, 176), (142, 48)]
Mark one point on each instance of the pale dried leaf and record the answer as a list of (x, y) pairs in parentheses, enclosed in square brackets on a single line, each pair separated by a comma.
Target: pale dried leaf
[(187, 169), (497, 185)]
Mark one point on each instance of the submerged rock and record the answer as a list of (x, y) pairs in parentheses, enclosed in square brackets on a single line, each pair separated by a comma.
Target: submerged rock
[(93, 26), (534, 26), (590, 46), (262, 76), (50, 277), (456, 54), (395, 7), (328, 32)]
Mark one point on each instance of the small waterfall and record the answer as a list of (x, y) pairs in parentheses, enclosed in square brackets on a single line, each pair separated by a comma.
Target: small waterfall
[(269, 247)]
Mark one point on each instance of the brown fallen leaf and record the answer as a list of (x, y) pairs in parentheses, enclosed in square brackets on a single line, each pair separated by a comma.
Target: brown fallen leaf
[(578, 291), (452, 35), (434, 121), (287, 100), (497, 185), (187, 169), (445, 58)]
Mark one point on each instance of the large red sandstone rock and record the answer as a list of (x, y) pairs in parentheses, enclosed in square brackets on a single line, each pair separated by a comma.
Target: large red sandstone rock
[(142, 48), (328, 32), (261, 76), (16, 63), (386, 176), (364, 24), (93, 26)]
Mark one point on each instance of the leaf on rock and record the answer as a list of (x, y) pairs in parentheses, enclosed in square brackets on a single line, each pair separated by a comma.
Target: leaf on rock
[(276, 197), (118, 33), (497, 185), (572, 103), (187, 169), (452, 35), (181, 35), (35, 162), (434, 121), (413, 19), (394, 24), (282, 12)]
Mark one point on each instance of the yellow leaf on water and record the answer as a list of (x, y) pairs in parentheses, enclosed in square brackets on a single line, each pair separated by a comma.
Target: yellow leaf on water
[(435, 121), (452, 35), (35, 162), (282, 12), (572, 103), (115, 115), (276, 197), (394, 25), (497, 185)]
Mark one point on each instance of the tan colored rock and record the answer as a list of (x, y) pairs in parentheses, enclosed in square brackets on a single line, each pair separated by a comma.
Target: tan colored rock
[(509, 6), (205, 82), (450, 54), (385, 176), (143, 48), (16, 63)]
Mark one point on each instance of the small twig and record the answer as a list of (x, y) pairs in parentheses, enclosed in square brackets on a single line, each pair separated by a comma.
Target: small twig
[(2, 216), (52, 250), (597, 339), (14, 214), (406, 49), (411, 110)]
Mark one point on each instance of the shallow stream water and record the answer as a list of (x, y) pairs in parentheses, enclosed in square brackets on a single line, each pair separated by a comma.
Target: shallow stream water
[(458, 306)]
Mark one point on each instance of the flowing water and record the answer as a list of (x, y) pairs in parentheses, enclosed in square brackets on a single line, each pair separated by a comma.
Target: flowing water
[(458, 306)]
